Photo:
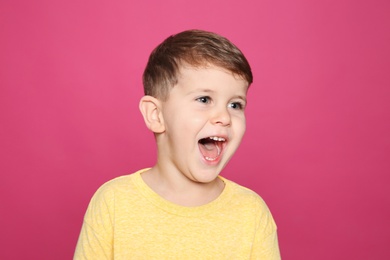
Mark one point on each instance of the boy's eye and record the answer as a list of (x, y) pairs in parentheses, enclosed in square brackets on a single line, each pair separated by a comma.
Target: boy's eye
[(236, 105), (205, 100)]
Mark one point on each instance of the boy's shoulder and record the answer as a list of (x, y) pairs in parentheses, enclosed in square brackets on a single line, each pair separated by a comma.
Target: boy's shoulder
[(120, 189), (127, 182), (124, 184), (239, 188), (244, 195), (249, 205)]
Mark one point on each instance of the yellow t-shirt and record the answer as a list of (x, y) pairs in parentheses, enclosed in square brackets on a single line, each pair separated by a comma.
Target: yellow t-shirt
[(128, 220)]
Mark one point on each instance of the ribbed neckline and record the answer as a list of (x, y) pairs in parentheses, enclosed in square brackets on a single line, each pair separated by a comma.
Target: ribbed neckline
[(173, 208)]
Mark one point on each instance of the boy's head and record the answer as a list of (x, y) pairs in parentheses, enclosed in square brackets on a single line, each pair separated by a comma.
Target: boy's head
[(196, 84), (195, 48)]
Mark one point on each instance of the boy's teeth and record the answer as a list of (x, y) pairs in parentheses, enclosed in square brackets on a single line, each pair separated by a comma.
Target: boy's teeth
[(215, 138)]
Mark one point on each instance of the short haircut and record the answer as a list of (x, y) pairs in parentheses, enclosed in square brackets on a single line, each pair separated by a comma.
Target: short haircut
[(196, 48)]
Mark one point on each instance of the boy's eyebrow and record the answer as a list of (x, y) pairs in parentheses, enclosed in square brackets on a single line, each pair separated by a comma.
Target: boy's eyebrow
[(243, 98), (206, 90), (201, 90)]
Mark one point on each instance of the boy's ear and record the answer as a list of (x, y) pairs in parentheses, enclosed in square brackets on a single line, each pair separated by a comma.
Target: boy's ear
[(150, 109)]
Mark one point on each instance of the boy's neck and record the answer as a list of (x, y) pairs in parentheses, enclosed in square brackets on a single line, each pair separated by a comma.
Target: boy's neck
[(182, 191)]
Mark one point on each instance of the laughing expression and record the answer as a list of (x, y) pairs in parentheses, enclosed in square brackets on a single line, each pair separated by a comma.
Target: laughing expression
[(204, 122)]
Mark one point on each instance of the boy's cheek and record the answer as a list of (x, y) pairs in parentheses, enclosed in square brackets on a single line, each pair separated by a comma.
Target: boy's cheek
[(239, 121)]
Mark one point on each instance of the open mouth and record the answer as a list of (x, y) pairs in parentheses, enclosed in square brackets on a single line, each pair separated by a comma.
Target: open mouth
[(211, 147)]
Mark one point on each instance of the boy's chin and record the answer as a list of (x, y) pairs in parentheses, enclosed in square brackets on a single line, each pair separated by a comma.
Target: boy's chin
[(207, 175)]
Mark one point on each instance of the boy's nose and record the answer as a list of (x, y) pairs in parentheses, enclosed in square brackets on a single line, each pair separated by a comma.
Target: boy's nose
[(222, 117)]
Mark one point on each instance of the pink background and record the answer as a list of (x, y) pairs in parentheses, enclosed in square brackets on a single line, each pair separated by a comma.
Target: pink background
[(318, 140)]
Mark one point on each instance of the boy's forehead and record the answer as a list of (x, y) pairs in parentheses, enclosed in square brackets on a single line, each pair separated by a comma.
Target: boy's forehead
[(187, 71), (209, 78)]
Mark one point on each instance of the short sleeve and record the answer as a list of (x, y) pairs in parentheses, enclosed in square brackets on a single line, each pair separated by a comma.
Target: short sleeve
[(265, 244), (96, 236)]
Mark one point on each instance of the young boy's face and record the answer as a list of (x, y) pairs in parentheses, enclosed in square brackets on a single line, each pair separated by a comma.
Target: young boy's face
[(204, 122)]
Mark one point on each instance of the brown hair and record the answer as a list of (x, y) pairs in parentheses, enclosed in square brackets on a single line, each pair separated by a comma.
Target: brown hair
[(196, 48)]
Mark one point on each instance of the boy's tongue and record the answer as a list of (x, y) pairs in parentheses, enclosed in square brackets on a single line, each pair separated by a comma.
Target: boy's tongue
[(209, 148)]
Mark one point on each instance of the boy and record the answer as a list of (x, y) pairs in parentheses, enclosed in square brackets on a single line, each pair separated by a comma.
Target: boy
[(195, 86)]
